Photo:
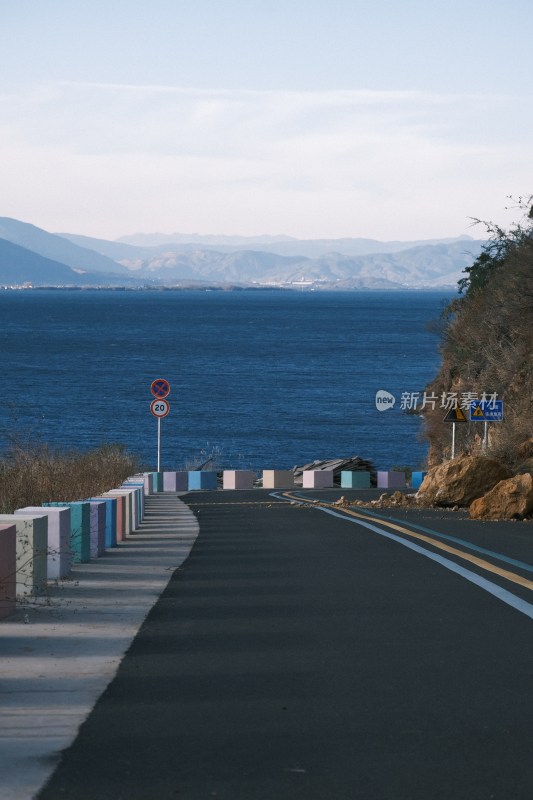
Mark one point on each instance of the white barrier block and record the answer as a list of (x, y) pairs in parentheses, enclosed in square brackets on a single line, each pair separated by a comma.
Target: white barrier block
[(32, 547), (59, 558), (8, 566)]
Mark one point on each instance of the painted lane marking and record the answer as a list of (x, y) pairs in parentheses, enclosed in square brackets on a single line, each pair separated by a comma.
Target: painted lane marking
[(492, 588), (479, 562), (236, 503), (476, 548)]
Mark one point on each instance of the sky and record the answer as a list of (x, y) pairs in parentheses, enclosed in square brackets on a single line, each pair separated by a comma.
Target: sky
[(314, 119)]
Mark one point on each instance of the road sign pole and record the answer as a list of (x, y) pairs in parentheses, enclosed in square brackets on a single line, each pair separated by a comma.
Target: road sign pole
[(453, 440), (159, 407), (159, 444), (485, 436)]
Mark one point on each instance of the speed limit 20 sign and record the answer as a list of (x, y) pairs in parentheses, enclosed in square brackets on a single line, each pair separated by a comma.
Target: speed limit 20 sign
[(159, 408)]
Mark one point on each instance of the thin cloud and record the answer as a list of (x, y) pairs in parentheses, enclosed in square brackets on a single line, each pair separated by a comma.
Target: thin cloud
[(309, 163)]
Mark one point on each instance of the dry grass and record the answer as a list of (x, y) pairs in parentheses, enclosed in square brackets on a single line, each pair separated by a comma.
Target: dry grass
[(31, 475)]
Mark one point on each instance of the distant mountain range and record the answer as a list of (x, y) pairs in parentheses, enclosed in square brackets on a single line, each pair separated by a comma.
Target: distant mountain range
[(30, 255)]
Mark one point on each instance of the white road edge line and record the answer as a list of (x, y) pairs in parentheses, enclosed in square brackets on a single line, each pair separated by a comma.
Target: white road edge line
[(492, 588)]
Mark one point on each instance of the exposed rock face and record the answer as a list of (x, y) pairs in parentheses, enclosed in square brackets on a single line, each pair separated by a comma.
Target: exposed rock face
[(525, 450), (509, 499), (460, 481)]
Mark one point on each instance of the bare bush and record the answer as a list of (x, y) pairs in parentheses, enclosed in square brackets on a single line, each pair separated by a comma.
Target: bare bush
[(31, 475)]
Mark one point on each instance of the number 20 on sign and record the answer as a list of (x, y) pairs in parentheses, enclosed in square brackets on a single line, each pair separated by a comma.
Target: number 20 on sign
[(160, 408)]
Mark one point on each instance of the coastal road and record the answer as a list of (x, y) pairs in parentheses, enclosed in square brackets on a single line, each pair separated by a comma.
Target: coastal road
[(304, 652)]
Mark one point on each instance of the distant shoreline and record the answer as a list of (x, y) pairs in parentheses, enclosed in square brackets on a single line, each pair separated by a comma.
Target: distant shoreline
[(234, 288)]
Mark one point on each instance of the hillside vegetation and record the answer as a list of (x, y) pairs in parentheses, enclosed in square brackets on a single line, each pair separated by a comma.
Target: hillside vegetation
[(487, 346)]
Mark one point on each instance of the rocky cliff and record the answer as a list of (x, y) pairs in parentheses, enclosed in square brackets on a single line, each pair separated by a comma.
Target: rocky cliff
[(487, 347)]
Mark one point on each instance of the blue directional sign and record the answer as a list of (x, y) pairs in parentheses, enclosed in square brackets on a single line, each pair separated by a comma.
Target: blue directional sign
[(486, 411)]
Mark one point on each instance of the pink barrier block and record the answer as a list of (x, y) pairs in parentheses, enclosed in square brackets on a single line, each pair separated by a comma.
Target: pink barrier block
[(278, 479), (391, 480), (317, 478), (8, 566), (238, 479), (175, 481), (59, 554)]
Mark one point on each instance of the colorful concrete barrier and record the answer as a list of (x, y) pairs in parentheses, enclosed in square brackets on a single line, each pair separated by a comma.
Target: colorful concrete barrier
[(31, 532), (120, 500), (317, 478), (158, 481), (175, 481), (8, 568), (148, 479), (124, 521), (80, 529), (393, 479), (59, 556), (202, 479), (98, 520), (139, 497), (110, 519), (358, 479), (238, 479), (416, 479), (278, 479)]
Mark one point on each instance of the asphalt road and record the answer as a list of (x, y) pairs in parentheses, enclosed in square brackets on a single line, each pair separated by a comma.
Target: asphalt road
[(297, 654)]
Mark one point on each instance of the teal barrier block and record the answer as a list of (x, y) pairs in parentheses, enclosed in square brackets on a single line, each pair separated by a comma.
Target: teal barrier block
[(80, 530), (158, 481), (200, 479), (359, 479)]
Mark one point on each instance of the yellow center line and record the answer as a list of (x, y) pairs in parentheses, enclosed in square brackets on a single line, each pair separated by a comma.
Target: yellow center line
[(235, 503), (480, 562)]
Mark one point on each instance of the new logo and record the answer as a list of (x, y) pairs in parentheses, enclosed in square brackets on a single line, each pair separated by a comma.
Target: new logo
[(384, 400)]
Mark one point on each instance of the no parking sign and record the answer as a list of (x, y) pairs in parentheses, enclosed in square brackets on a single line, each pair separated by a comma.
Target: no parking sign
[(160, 388)]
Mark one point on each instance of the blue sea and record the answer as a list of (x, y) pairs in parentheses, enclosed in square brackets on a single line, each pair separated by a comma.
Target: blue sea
[(260, 379)]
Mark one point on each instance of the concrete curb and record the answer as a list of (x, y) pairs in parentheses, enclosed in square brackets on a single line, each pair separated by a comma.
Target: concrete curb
[(60, 651)]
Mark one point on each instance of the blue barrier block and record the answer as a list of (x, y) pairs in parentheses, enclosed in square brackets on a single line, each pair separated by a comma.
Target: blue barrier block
[(110, 520), (416, 479), (200, 479)]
